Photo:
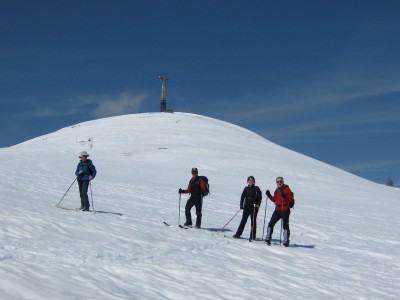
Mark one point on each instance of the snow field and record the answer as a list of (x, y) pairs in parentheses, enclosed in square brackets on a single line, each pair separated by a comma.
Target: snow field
[(344, 229)]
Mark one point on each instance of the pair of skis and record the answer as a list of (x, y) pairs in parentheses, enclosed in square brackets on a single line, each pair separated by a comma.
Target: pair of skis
[(92, 211), (187, 227), (180, 226)]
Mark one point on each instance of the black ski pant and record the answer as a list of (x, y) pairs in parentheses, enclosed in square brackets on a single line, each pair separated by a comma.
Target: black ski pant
[(276, 216), (83, 193), (198, 203), (248, 211)]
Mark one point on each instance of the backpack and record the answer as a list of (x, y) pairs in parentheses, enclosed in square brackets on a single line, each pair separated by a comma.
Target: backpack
[(205, 180), (291, 203)]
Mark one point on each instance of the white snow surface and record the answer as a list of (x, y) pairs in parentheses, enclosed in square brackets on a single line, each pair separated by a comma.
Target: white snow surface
[(344, 229)]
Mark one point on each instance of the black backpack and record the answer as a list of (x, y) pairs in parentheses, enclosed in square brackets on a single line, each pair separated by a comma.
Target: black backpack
[(205, 180)]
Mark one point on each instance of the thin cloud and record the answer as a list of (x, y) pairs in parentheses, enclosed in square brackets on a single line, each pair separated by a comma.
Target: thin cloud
[(49, 111), (123, 104), (369, 165), (343, 125), (339, 109), (98, 106), (297, 99), (41, 112)]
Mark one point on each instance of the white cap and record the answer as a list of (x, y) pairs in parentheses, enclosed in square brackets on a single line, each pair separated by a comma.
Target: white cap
[(84, 153)]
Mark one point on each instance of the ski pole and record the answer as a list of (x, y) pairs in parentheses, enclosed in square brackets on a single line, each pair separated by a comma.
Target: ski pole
[(254, 222), (280, 235), (67, 191), (91, 194), (230, 220), (179, 217), (265, 214)]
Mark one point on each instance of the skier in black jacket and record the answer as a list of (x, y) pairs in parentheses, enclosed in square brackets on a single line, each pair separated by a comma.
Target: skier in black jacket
[(250, 202)]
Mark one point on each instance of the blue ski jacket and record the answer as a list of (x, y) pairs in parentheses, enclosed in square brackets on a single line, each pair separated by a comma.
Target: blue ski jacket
[(87, 168)]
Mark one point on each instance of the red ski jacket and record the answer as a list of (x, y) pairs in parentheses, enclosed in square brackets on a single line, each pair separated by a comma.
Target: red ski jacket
[(280, 202), (194, 183)]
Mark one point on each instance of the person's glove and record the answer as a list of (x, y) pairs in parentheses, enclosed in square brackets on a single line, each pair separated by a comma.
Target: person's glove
[(241, 206), (283, 194), (180, 191), (268, 193)]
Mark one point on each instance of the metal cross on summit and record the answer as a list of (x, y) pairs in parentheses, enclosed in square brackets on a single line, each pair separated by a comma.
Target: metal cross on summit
[(164, 78)]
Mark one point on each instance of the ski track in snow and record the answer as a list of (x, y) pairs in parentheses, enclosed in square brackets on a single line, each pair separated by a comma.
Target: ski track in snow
[(339, 248)]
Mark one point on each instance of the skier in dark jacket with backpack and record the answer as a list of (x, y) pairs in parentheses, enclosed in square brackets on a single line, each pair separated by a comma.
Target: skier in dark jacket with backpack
[(283, 199), (250, 201), (85, 172), (196, 188)]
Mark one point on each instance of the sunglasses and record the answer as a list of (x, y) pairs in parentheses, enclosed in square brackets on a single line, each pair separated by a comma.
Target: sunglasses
[(279, 181)]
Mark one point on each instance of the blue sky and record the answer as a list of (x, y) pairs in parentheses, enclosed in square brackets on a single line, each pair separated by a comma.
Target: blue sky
[(319, 77)]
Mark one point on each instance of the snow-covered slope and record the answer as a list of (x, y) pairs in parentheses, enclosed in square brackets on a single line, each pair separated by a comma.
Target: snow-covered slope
[(344, 229)]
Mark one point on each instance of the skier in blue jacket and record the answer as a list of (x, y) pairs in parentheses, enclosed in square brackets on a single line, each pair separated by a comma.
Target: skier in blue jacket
[(85, 172)]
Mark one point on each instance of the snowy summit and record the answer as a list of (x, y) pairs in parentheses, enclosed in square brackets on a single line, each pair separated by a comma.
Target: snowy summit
[(344, 229)]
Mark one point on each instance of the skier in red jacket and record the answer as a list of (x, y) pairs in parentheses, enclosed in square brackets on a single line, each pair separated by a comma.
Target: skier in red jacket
[(196, 188), (283, 197)]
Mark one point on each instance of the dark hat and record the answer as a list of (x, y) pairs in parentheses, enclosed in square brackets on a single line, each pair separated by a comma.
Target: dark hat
[(194, 170)]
